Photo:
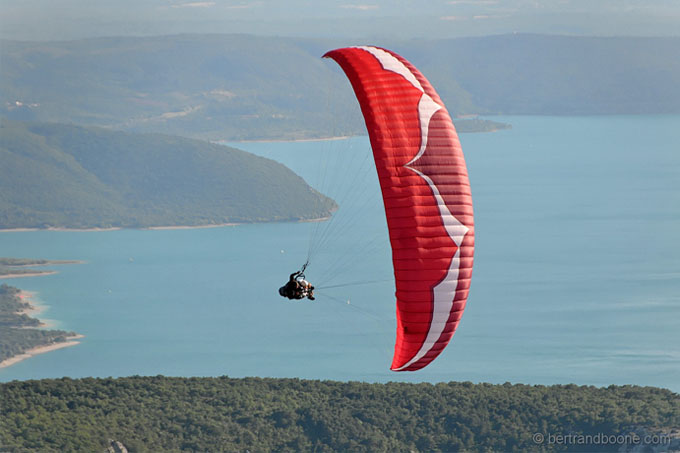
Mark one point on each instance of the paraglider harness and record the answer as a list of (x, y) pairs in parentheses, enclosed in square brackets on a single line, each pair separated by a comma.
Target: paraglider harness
[(297, 287)]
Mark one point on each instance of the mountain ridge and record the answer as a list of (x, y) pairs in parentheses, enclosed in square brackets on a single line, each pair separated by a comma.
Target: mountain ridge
[(244, 87)]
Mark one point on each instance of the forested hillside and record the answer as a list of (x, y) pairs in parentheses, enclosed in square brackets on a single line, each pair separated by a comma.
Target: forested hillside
[(556, 75), (18, 331), (223, 414), (55, 175), (248, 87)]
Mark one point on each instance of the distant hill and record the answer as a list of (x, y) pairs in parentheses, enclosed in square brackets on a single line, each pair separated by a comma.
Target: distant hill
[(252, 87), (224, 414), (55, 175), (556, 75), (206, 86)]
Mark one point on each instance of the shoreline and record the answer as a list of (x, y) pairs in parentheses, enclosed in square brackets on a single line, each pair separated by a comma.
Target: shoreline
[(150, 228), (13, 270), (28, 274), (24, 230), (189, 227), (34, 307), (318, 219), (465, 117), (69, 341), (283, 140)]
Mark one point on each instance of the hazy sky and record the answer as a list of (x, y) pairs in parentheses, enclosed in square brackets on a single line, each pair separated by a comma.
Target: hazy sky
[(68, 19)]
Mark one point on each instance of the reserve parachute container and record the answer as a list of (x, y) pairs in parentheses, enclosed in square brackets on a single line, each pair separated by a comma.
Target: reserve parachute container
[(426, 194)]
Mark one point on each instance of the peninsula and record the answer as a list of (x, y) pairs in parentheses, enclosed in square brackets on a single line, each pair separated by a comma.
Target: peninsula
[(21, 335), (58, 176), (22, 267)]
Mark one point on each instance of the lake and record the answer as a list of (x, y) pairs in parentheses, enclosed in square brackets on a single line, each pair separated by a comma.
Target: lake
[(576, 278)]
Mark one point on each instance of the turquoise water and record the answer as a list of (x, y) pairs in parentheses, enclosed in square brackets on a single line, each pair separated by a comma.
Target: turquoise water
[(577, 272)]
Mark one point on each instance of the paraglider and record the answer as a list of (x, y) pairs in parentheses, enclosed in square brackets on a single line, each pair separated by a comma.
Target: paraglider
[(297, 287), (426, 195)]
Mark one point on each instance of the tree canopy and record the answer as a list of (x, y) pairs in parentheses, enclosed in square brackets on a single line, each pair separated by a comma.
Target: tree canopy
[(255, 414), (56, 175)]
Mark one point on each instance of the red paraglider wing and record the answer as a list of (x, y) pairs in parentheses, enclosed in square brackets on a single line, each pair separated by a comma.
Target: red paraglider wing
[(426, 194)]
